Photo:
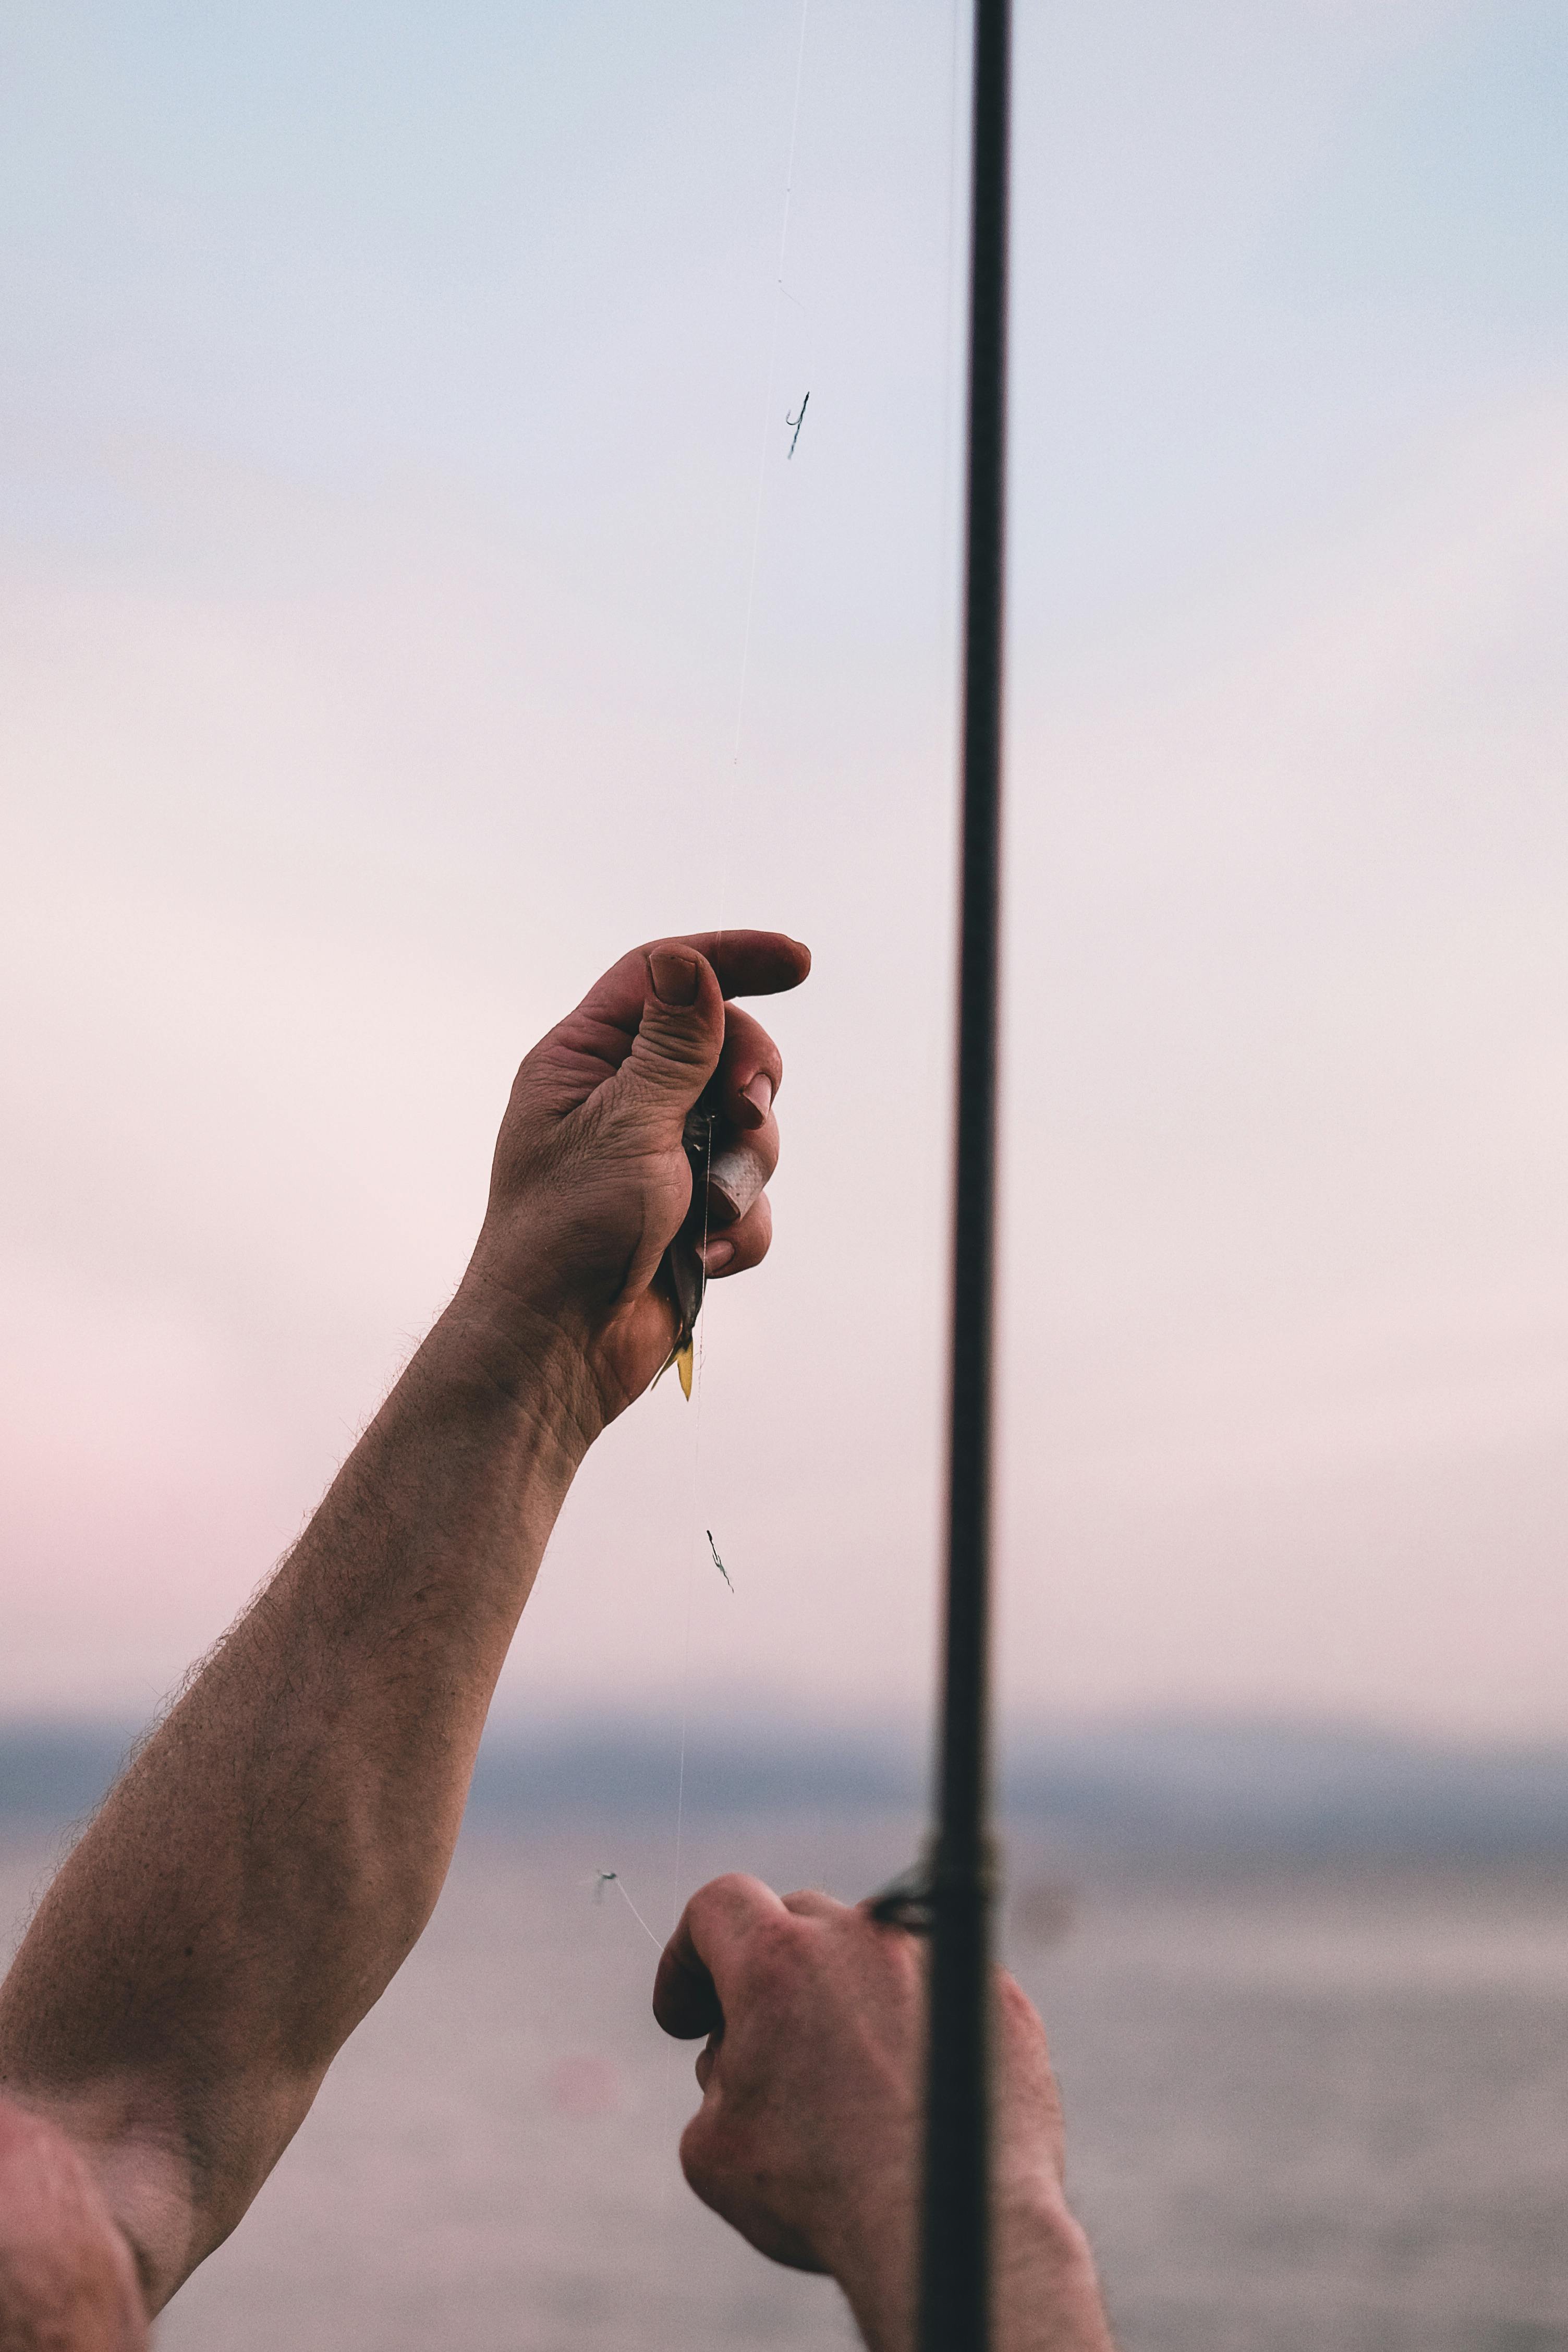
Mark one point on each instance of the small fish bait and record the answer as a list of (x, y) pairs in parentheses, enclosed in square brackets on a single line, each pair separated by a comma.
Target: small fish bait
[(681, 1270)]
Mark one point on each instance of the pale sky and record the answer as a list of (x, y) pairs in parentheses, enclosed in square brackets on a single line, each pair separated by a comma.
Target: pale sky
[(382, 396)]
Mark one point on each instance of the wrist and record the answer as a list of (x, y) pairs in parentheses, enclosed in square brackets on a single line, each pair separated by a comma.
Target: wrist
[(516, 1356), (1045, 2294), (870, 2241), (1046, 2291)]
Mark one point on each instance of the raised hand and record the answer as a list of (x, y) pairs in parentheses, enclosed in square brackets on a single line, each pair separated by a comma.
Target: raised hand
[(591, 1181)]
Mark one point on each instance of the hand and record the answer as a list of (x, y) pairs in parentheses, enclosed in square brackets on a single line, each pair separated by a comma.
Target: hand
[(808, 2135), (66, 2276), (592, 1183)]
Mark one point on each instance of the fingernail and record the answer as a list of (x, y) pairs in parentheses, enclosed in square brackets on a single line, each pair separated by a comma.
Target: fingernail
[(759, 1093), (674, 976), (715, 1255)]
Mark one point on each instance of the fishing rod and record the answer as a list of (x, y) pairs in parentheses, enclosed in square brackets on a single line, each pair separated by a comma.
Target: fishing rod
[(951, 1896), (954, 2283)]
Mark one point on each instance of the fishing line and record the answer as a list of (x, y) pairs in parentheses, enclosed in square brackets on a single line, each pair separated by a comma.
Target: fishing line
[(779, 297), (726, 831), (613, 1878), (691, 1548)]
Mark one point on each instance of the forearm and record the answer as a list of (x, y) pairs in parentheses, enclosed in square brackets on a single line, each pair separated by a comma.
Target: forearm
[(258, 1875)]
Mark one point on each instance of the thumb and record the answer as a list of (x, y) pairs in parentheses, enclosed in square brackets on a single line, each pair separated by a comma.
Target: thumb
[(678, 1040)]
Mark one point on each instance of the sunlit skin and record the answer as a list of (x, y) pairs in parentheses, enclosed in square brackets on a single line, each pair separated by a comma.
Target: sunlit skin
[(264, 1867)]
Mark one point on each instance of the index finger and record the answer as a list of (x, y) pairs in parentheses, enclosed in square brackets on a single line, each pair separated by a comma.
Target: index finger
[(702, 1958), (753, 963)]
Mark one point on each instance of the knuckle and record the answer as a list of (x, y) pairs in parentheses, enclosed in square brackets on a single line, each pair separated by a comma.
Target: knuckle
[(666, 1037), (697, 2152), (776, 1953), (752, 1239), (730, 1888)]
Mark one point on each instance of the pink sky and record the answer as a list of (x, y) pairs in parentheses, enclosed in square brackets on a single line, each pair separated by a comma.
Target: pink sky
[(327, 785)]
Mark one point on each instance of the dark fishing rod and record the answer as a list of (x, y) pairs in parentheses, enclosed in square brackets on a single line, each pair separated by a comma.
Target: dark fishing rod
[(951, 1896), (954, 2286)]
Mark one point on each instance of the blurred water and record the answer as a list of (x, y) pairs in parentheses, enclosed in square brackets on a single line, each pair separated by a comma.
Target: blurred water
[(1305, 2115)]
